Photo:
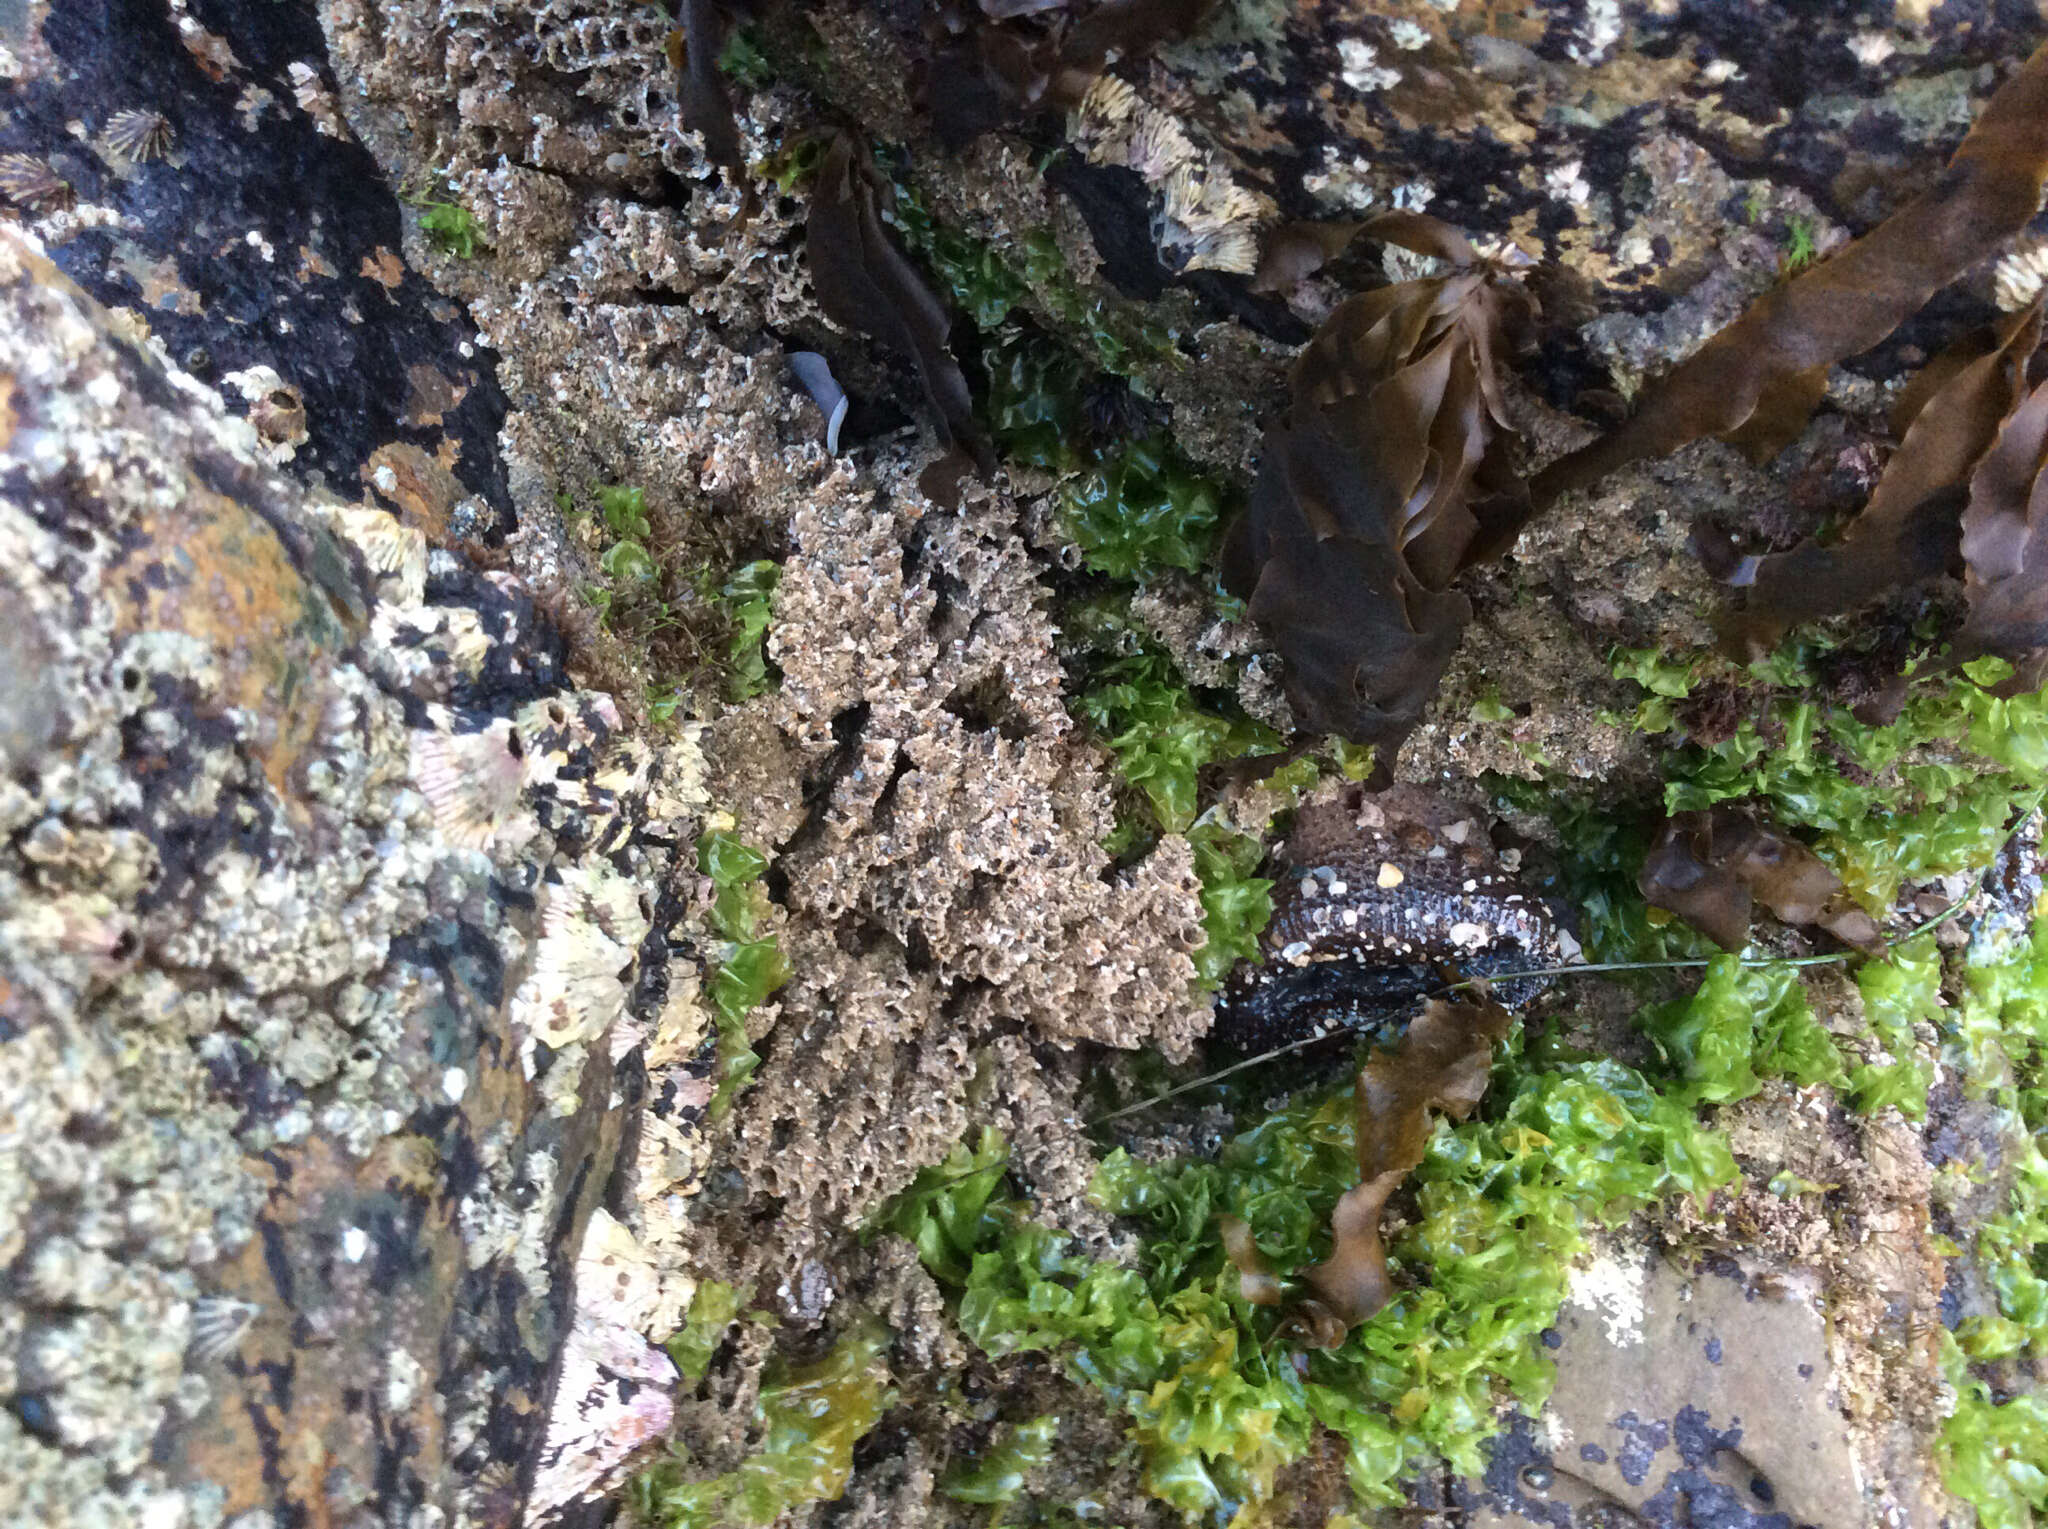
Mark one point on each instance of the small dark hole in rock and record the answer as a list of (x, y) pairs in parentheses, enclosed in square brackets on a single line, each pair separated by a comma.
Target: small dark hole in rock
[(987, 706)]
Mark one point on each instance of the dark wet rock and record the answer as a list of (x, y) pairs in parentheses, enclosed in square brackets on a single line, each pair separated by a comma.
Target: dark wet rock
[(260, 236)]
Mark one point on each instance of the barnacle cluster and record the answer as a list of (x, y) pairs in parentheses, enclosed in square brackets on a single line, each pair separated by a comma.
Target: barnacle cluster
[(241, 842), (1205, 220)]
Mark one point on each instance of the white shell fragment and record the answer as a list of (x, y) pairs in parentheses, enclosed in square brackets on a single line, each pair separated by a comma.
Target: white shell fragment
[(615, 1397)]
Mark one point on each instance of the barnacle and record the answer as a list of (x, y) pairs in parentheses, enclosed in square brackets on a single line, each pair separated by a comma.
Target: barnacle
[(218, 1323), (411, 1163), (613, 1400), (471, 779), (2017, 279), (1159, 146), (1115, 126), (393, 550), (1207, 222), (32, 185), (995, 66), (1104, 121), (139, 135), (591, 926), (276, 409), (313, 98)]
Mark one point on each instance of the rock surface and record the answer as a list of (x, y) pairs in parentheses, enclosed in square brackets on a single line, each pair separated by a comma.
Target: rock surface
[(306, 1083), (286, 1213)]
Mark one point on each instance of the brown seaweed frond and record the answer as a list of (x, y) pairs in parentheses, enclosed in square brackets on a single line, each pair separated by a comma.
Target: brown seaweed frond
[(864, 281), (1711, 867), (1755, 382), (1954, 416), (2005, 548), (693, 51), (1441, 1063), (1294, 252), (1388, 474)]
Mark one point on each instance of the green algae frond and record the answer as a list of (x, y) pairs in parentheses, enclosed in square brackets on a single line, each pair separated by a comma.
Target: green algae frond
[(713, 1309), (452, 228), (1504, 1204), (998, 1475), (808, 1418), (1994, 1448), (1930, 792), (749, 597), (751, 966)]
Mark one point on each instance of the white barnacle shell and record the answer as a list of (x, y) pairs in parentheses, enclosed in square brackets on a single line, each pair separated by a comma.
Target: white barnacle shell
[(471, 779), (1158, 146), (32, 185), (455, 630), (1208, 222), (139, 135), (218, 1322), (395, 552), (615, 1275), (2017, 279), (591, 927), (1104, 122)]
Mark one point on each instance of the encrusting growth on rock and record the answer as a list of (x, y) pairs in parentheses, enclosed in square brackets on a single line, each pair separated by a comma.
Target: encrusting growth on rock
[(1006, 59), (1755, 382)]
